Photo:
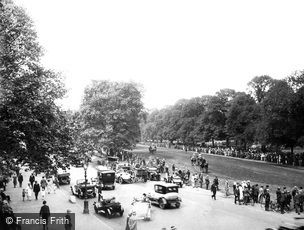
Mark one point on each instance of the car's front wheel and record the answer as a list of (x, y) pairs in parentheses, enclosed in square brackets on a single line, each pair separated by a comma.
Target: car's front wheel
[(162, 203), (120, 180), (177, 205)]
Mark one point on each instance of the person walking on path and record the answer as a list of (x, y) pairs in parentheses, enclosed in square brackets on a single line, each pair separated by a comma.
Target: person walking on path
[(20, 180), (32, 179), (227, 188), (207, 181), (43, 183), (216, 182), (68, 223), (45, 214), (23, 194), (29, 192), (131, 222), (267, 200), (213, 190), (15, 180), (36, 189)]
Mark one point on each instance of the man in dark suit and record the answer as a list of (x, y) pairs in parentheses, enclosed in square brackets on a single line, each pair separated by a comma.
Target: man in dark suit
[(36, 189), (45, 214), (20, 180)]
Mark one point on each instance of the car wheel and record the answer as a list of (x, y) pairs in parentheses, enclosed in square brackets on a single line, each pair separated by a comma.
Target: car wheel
[(96, 210), (108, 214), (161, 203), (177, 205), (121, 213), (180, 185), (113, 187), (72, 191), (120, 180)]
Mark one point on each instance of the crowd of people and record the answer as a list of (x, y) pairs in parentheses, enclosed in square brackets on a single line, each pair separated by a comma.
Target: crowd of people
[(286, 158)]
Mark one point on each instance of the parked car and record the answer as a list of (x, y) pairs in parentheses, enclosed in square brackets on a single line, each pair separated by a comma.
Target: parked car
[(165, 195), (140, 175), (106, 178), (124, 177), (176, 180), (108, 207), (153, 174), (79, 189), (64, 178)]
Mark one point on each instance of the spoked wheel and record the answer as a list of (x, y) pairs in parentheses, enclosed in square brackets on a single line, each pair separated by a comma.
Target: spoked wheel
[(162, 204)]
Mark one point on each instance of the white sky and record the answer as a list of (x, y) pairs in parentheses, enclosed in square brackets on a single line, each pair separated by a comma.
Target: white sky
[(175, 49)]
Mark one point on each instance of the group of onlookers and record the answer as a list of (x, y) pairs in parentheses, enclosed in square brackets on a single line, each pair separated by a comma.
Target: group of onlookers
[(245, 193)]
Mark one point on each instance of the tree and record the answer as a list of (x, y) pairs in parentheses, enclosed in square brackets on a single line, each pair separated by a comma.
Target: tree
[(241, 119), (111, 114), (33, 128), (259, 86), (278, 121)]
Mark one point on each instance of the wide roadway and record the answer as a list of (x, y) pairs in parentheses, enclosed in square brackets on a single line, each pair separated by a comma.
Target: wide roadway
[(198, 210)]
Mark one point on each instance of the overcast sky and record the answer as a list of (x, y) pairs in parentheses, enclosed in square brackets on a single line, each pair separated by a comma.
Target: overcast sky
[(175, 49)]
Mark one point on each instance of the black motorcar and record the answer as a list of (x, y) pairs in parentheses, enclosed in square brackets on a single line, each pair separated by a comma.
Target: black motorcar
[(108, 207), (106, 178), (63, 178), (82, 189)]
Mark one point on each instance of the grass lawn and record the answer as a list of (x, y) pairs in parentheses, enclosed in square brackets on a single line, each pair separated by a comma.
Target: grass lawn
[(233, 169)]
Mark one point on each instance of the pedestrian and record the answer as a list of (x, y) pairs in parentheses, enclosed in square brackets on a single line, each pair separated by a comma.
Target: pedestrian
[(227, 188), (29, 192), (207, 181), (15, 180), (261, 194), (43, 183), (201, 180), (237, 194), (36, 189), (20, 179), (42, 193), (173, 168), (45, 214), (68, 221), (297, 202), (23, 194), (131, 222), (32, 179), (213, 190), (267, 200), (216, 182)]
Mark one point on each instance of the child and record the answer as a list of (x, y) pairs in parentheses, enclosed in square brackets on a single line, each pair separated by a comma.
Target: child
[(23, 194), (43, 193)]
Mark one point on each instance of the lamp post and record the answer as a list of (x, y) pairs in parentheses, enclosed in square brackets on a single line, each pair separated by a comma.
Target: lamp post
[(86, 202)]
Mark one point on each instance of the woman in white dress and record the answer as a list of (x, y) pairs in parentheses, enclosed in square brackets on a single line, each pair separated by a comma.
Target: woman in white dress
[(29, 191)]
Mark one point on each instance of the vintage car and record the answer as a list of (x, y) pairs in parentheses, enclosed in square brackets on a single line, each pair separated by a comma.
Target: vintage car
[(153, 174), (176, 180), (141, 209), (64, 178), (108, 207), (79, 189), (165, 195), (140, 175), (123, 176), (106, 178)]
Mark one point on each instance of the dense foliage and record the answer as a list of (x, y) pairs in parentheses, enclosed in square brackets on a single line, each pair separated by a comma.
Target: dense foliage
[(110, 115), (33, 129), (271, 113)]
